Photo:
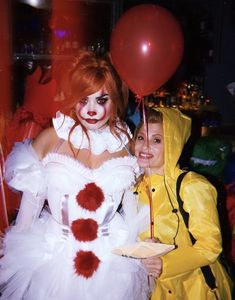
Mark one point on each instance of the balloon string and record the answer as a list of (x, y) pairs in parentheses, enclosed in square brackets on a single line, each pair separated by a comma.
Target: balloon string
[(139, 100), (149, 189)]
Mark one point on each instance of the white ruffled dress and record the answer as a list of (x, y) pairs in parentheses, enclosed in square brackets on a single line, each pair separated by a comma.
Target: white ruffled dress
[(66, 253)]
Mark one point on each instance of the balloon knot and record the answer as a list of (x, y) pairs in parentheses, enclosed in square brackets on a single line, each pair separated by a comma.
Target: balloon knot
[(139, 99)]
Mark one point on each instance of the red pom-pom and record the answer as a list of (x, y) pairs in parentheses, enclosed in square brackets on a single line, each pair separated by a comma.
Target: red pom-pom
[(86, 263), (84, 229), (91, 197)]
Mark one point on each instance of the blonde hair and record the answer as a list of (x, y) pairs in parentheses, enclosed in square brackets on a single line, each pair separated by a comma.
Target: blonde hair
[(152, 116)]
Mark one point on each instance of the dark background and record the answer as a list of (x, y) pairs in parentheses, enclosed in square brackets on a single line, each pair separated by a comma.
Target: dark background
[(208, 26)]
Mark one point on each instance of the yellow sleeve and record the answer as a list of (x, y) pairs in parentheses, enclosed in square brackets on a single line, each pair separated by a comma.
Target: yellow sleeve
[(199, 198)]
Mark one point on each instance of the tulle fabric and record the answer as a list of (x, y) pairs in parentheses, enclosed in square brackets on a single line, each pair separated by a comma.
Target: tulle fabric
[(39, 251), (38, 265)]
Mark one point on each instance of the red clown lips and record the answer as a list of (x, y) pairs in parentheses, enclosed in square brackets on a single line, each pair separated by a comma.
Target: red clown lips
[(91, 197), (86, 263), (84, 230)]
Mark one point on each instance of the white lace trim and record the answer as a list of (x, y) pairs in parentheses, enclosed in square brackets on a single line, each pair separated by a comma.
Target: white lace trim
[(100, 140)]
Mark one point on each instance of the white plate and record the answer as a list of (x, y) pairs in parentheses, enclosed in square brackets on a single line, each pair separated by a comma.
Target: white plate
[(143, 250)]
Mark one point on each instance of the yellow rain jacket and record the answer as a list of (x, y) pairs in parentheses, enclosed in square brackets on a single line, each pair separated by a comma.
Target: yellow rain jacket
[(181, 278)]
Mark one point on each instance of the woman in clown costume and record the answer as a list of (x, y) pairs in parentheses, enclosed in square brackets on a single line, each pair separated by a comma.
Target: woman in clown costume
[(81, 168)]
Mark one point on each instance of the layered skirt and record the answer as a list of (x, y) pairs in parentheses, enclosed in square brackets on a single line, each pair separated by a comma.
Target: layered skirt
[(39, 265)]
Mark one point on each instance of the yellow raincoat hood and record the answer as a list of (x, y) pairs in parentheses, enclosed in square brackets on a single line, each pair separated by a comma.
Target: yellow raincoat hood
[(176, 131)]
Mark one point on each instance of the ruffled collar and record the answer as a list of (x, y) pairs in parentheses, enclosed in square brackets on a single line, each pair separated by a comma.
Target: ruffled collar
[(100, 140)]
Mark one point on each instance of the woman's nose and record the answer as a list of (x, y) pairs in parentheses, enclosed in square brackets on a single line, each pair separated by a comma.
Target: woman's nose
[(145, 146), (91, 113)]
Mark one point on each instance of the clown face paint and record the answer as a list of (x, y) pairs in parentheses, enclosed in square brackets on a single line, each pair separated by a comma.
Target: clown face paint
[(94, 111)]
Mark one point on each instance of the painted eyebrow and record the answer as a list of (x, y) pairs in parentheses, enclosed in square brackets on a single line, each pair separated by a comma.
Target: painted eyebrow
[(102, 96)]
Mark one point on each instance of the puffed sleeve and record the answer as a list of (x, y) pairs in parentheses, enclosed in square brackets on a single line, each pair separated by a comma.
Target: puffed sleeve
[(24, 172), (199, 198)]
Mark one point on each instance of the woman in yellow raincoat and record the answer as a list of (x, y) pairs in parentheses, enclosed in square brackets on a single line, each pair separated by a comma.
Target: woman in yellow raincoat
[(177, 274)]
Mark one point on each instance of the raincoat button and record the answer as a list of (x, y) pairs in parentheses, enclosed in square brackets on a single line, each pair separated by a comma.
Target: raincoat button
[(169, 291), (153, 190), (174, 210)]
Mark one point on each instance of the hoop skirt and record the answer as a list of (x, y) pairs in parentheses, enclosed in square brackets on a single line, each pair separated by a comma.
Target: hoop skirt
[(65, 252)]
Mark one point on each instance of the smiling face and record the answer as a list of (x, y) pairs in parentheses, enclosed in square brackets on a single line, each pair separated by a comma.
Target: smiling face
[(150, 150), (94, 111)]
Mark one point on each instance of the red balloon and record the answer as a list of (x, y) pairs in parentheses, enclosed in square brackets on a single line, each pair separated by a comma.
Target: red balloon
[(146, 47)]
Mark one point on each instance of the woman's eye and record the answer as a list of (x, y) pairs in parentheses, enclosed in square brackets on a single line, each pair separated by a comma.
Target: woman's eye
[(83, 101), (102, 101), (139, 138), (157, 141)]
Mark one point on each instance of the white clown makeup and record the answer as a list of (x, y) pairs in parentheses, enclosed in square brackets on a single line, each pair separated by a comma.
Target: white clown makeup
[(94, 111), (150, 150)]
